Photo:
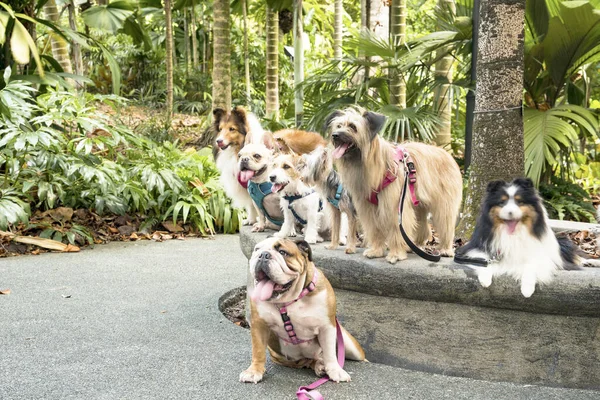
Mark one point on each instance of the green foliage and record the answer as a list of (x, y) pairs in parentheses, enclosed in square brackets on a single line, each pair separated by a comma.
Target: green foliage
[(565, 200), (56, 150)]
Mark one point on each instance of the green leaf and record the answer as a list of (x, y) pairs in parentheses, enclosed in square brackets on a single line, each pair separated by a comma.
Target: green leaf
[(108, 18)]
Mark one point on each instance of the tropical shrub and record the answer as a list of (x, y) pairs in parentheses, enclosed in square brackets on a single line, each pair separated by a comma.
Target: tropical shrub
[(56, 150), (566, 200)]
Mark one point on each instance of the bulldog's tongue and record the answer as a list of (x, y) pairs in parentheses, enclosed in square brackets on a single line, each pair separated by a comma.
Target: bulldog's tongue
[(511, 225), (246, 175), (242, 179), (263, 290), (340, 150)]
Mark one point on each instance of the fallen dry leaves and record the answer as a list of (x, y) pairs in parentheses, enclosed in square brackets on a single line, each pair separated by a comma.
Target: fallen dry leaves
[(5, 291)]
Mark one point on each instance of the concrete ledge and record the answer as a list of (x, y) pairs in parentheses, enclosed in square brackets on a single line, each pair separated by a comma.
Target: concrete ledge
[(573, 293), (437, 318), (559, 226)]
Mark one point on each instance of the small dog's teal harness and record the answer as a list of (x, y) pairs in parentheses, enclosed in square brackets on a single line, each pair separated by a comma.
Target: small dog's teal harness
[(335, 201), (295, 197), (258, 192)]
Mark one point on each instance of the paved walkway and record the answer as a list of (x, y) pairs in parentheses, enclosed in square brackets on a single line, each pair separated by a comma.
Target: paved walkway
[(140, 321)]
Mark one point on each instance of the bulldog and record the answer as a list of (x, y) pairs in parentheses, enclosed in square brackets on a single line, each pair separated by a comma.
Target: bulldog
[(289, 291)]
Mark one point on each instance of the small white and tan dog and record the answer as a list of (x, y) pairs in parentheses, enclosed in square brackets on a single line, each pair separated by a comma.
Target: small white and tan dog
[(299, 202), (254, 166), (284, 273)]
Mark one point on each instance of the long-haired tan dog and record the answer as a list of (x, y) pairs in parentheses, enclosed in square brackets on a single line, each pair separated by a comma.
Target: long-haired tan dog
[(363, 158)]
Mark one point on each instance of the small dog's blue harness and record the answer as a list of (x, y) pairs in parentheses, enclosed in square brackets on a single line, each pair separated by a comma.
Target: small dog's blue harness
[(258, 192), (291, 199), (335, 201)]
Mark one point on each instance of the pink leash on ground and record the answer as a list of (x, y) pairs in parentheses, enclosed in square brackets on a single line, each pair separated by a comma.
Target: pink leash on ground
[(309, 392)]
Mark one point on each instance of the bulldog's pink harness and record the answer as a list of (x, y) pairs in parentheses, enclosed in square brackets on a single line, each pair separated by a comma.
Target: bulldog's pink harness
[(309, 392)]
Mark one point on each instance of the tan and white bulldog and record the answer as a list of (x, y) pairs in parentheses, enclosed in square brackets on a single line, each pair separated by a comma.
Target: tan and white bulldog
[(282, 270)]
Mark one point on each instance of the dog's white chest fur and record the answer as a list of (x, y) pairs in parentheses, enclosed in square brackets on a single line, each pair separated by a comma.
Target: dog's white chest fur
[(308, 316), (524, 257)]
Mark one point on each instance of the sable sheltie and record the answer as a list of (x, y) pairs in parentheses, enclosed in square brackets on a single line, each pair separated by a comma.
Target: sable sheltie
[(317, 170), (234, 130), (297, 141), (512, 237), (364, 159)]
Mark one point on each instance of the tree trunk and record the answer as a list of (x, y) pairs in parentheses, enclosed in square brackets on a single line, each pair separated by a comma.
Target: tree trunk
[(221, 74), (498, 126), (195, 60), (76, 50), (186, 42), (338, 29), (298, 63), (398, 37), (379, 25), (246, 54), (60, 47), (443, 93), (272, 102), (169, 57)]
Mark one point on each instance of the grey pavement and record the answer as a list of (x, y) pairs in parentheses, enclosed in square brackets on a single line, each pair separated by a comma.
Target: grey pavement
[(140, 321)]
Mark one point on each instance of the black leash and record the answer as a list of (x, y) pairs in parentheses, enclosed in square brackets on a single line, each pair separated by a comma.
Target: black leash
[(423, 254)]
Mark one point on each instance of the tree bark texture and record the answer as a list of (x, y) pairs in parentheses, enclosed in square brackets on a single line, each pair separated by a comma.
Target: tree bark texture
[(443, 93), (75, 48), (186, 42), (298, 63), (194, 28), (338, 29), (169, 56), (60, 47), (272, 101), (221, 73), (246, 54), (498, 147), (398, 36), (379, 24)]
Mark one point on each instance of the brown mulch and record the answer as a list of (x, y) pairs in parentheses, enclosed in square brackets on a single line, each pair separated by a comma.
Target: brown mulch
[(62, 220)]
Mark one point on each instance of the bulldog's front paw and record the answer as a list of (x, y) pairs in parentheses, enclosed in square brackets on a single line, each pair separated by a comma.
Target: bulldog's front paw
[(373, 253), (258, 227), (337, 374), (320, 368), (251, 376)]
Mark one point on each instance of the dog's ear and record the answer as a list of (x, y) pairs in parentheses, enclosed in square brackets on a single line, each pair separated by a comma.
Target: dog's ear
[(239, 113), (494, 186), (268, 140), (375, 122), (525, 183), (217, 115), (331, 117), (305, 249)]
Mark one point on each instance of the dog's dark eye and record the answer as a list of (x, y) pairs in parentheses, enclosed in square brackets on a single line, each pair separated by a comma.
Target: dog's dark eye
[(285, 166), (339, 126), (353, 127), (231, 129), (283, 253), (239, 155), (257, 156)]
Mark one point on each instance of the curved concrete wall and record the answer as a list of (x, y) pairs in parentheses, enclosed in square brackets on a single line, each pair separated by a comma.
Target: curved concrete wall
[(436, 317)]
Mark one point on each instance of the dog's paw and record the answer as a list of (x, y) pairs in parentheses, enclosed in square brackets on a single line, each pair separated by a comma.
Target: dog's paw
[(280, 234), (311, 239), (447, 252), (527, 289), (320, 368), (258, 227), (485, 277), (337, 374), (373, 253), (251, 376), (393, 258), (247, 222), (350, 250), (331, 246), (320, 239)]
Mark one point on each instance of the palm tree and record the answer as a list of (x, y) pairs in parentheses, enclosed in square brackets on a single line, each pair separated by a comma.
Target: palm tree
[(272, 101), (398, 38), (337, 29), (298, 63), (169, 56), (77, 59), (60, 47), (246, 54), (498, 151), (194, 28), (443, 92), (221, 74)]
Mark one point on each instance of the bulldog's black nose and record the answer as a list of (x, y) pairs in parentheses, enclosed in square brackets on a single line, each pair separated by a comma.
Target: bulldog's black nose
[(245, 159), (264, 256), (272, 178)]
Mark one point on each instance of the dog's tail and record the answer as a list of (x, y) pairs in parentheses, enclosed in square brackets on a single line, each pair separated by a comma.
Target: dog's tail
[(570, 254)]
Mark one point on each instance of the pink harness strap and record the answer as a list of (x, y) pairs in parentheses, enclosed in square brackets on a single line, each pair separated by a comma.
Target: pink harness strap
[(401, 156), (287, 324)]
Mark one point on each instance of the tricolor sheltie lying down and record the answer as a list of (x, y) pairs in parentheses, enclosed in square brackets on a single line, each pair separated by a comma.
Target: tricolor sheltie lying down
[(512, 237)]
